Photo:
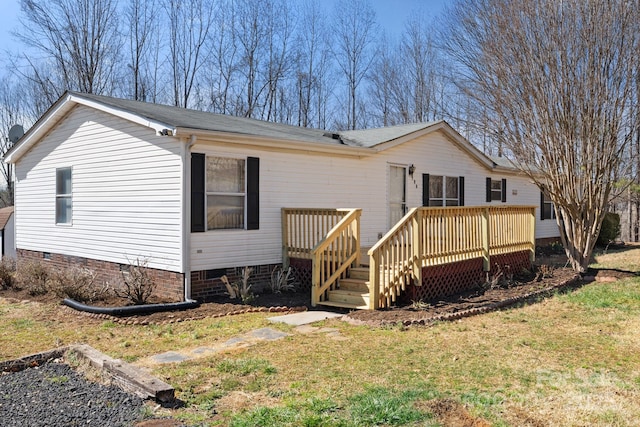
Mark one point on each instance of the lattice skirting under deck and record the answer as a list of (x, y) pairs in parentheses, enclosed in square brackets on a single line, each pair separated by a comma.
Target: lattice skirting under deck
[(302, 271), (441, 281)]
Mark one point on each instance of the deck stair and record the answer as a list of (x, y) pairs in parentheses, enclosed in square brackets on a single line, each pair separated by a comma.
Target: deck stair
[(352, 292)]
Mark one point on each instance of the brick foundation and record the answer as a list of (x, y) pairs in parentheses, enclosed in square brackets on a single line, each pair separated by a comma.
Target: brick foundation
[(169, 284), (206, 284)]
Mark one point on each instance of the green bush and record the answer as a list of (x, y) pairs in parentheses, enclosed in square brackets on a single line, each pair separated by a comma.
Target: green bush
[(609, 230)]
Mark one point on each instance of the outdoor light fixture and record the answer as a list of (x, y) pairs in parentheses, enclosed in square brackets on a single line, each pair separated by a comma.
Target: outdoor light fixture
[(412, 169)]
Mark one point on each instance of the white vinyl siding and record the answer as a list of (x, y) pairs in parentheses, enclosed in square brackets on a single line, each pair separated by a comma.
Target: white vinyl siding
[(294, 179), (126, 192)]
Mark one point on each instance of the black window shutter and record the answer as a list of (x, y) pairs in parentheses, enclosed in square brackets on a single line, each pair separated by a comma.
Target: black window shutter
[(197, 193), (253, 193), (504, 190), (488, 189), (542, 206), (425, 189), (461, 191)]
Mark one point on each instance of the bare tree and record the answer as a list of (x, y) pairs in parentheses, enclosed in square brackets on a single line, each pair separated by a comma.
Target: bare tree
[(190, 22), (355, 27), (221, 67), (313, 65), (12, 112), (79, 38), (140, 17), (557, 78)]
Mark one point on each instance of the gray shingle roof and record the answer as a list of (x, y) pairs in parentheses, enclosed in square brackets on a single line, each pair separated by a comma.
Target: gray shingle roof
[(373, 137), (181, 117)]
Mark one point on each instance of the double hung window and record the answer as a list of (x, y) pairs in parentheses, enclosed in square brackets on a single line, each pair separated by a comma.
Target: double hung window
[(64, 201)]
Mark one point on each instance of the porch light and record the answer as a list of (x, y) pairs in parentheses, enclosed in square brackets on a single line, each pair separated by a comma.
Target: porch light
[(412, 169)]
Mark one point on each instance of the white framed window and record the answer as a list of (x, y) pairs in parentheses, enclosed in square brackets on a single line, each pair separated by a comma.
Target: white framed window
[(496, 189), (548, 210), (64, 198), (225, 193), (444, 190)]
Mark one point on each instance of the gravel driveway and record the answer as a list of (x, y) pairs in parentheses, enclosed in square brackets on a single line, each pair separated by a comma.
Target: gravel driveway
[(55, 395)]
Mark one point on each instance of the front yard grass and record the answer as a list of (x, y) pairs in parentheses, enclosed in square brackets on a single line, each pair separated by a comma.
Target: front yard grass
[(570, 360)]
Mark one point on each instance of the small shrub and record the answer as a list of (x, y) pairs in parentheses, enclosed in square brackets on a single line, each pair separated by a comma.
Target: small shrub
[(545, 272), (137, 285), (500, 278), (34, 276), (419, 305), (610, 229), (240, 289), (77, 283), (282, 281), (7, 271)]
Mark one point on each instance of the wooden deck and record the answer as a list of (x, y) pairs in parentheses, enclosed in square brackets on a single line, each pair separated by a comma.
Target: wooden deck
[(423, 238)]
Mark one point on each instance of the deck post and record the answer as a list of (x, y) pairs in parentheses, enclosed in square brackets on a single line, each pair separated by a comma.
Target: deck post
[(416, 246), (285, 238), (486, 264), (532, 253), (315, 280), (356, 232), (374, 281)]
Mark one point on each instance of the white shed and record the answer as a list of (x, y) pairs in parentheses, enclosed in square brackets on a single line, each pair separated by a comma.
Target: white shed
[(7, 234)]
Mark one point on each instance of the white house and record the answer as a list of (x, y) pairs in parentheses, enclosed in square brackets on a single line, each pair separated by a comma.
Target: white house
[(103, 181)]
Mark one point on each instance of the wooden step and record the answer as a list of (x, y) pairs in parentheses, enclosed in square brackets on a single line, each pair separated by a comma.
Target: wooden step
[(344, 305), (354, 285), (359, 273), (349, 297)]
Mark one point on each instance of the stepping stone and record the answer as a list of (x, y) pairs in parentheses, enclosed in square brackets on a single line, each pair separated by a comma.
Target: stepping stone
[(268, 334), (305, 317), (169, 357)]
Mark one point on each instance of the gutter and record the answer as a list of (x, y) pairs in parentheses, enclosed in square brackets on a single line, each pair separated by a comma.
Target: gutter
[(262, 142), (186, 217)]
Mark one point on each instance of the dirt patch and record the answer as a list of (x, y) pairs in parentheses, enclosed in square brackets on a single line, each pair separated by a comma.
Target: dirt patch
[(453, 414)]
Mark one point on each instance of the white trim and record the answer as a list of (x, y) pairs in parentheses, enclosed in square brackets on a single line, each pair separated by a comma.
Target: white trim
[(157, 126)]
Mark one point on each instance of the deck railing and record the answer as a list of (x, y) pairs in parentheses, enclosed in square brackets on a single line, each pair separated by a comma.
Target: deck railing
[(304, 228), (331, 257), (329, 237), (429, 236)]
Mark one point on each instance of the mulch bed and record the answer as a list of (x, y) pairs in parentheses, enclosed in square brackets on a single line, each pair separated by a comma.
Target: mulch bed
[(476, 301)]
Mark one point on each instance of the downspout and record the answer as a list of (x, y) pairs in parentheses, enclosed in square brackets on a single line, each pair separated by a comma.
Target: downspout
[(186, 217)]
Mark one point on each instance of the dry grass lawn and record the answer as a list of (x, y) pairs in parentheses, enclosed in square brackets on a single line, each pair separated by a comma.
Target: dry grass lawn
[(570, 360)]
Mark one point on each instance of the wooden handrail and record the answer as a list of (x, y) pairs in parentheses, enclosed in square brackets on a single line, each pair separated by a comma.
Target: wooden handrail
[(334, 254), (428, 236)]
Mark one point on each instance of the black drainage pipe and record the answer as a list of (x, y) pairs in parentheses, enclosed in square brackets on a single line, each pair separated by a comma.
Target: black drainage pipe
[(131, 310)]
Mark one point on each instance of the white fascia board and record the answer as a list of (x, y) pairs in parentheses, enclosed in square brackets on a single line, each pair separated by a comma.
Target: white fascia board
[(41, 127), (274, 144), (135, 118), (451, 133), (57, 111)]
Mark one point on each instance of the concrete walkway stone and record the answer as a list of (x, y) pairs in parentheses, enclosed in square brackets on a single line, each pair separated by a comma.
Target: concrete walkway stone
[(304, 318), (301, 320), (242, 341)]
